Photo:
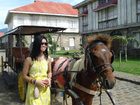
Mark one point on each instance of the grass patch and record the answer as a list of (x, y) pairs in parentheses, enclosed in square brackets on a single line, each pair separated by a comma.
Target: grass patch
[(131, 66)]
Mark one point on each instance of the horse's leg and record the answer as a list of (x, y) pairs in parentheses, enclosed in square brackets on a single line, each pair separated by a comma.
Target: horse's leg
[(73, 102), (87, 101), (85, 98)]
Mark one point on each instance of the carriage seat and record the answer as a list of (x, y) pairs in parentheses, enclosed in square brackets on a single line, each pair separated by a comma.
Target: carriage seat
[(60, 65), (63, 63), (19, 54)]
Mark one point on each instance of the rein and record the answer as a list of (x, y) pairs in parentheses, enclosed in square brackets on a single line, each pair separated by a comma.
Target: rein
[(103, 68), (107, 92)]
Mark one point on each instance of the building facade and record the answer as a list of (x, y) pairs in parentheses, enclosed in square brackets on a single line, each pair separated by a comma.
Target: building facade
[(42, 13), (113, 17)]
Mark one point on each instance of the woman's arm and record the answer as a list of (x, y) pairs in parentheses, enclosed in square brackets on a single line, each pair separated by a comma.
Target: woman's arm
[(25, 71), (49, 68), (48, 82)]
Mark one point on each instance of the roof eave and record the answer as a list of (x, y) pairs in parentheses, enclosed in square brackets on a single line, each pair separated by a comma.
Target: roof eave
[(85, 2), (7, 18), (24, 12)]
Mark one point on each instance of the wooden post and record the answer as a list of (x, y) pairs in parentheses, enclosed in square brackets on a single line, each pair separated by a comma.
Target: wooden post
[(2, 63)]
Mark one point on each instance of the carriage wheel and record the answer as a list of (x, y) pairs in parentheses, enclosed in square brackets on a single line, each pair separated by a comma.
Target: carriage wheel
[(21, 87)]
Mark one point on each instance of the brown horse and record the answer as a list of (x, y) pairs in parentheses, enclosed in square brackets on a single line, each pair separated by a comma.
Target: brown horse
[(94, 70)]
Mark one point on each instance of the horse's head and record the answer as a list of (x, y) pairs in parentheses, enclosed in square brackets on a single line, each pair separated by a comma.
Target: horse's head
[(99, 60)]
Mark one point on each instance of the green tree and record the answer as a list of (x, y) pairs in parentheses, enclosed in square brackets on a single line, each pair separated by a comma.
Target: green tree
[(125, 39), (52, 44)]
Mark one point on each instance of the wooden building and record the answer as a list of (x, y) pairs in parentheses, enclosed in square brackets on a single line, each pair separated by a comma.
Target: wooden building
[(112, 17)]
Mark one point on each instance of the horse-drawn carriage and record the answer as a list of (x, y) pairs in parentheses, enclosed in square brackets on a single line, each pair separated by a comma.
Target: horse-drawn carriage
[(17, 47), (78, 79)]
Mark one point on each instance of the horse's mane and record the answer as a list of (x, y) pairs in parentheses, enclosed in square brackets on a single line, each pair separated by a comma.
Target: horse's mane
[(106, 39)]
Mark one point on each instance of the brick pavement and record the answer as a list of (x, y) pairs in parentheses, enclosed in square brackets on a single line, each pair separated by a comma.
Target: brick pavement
[(125, 92), (128, 77)]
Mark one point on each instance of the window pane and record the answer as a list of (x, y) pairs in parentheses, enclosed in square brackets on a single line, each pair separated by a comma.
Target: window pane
[(71, 42), (138, 6)]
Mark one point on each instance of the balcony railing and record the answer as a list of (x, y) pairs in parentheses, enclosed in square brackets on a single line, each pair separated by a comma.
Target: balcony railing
[(84, 13), (106, 5)]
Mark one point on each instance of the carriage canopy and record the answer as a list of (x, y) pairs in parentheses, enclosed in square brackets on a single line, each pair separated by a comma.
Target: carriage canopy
[(32, 30)]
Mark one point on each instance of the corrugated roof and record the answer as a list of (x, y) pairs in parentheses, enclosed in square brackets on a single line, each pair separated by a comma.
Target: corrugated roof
[(48, 7)]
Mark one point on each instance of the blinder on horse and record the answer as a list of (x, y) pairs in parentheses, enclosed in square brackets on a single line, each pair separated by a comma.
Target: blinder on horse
[(98, 69), (113, 56)]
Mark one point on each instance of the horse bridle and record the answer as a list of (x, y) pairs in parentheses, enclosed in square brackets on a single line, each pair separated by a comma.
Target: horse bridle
[(96, 69)]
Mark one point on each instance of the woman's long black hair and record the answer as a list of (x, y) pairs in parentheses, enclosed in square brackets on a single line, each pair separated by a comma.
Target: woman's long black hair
[(36, 47)]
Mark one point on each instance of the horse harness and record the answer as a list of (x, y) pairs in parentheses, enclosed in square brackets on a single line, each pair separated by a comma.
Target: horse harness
[(95, 69)]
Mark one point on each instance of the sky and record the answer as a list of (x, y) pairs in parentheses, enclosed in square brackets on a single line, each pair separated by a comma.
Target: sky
[(6, 5)]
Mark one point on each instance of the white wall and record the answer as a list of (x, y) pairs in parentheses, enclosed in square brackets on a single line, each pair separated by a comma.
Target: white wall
[(71, 23)]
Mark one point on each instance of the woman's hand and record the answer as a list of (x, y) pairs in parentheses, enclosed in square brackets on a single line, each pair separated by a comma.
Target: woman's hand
[(47, 82), (40, 83)]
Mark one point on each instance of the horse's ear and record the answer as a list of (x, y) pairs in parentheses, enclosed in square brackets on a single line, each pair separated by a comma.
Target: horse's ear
[(113, 56)]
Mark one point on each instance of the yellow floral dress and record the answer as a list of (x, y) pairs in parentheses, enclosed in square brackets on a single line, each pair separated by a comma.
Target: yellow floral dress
[(38, 71)]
